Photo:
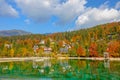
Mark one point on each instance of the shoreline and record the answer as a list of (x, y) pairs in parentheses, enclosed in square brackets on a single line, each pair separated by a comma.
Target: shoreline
[(42, 58)]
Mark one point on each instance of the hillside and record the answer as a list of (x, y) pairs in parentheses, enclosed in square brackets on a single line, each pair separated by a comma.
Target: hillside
[(91, 42), (13, 32)]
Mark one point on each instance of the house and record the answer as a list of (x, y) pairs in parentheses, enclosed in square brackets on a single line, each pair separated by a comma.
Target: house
[(8, 46), (42, 43), (47, 50), (35, 48), (106, 55), (63, 50), (63, 43), (67, 46)]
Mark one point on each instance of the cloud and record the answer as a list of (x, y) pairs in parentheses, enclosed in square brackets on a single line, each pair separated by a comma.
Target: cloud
[(95, 16), (27, 21), (66, 11), (43, 10), (7, 10), (69, 10), (117, 5), (38, 10)]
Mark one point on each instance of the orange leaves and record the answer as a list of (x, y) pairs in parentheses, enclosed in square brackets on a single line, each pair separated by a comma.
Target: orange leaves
[(93, 50), (114, 48), (81, 51)]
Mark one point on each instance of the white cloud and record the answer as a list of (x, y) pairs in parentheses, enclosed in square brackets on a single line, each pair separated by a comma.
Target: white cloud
[(69, 10), (95, 16), (27, 21), (38, 10), (42, 10), (117, 5), (7, 10)]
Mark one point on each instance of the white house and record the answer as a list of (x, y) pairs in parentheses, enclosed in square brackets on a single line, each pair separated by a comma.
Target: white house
[(35, 48), (47, 50), (8, 45), (42, 42), (106, 55), (63, 50)]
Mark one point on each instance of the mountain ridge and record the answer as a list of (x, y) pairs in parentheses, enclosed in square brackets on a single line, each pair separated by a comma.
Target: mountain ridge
[(13, 32)]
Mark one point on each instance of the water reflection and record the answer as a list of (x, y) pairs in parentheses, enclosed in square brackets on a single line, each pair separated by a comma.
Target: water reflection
[(107, 63), (77, 69)]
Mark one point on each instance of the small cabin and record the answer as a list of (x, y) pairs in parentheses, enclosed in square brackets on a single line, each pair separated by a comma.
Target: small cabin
[(8, 46), (35, 48), (106, 55), (63, 50), (47, 50)]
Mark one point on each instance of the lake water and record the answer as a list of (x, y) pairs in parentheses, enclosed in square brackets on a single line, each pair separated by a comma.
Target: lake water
[(51, 69)]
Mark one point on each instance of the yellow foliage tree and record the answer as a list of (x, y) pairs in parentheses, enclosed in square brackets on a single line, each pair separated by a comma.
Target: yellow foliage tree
[(24, 51), (12, 52)]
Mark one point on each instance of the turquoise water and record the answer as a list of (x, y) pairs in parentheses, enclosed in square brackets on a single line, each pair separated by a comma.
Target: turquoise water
[(51, 69)]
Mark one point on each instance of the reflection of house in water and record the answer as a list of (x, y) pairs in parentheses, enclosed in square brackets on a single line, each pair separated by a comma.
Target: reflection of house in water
[(5, 68), (65, 65), (35, 66), (47, 63), (63, 62), (107, 63)]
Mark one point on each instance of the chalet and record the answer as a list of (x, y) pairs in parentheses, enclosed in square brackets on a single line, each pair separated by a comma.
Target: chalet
[(42, 43), (8, 46), (63, 50), (64, 44), (47, 50), (106, 55), (35, 48)]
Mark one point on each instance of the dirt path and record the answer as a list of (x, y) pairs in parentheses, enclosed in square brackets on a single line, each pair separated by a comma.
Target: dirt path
[(38, 58)]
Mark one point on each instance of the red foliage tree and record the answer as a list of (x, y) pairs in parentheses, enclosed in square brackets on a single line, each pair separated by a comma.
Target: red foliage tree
[(114, 48), (93, 50), (81, 51)]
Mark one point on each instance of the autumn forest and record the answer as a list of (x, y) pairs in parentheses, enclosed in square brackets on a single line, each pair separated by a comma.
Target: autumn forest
[(90, 42)]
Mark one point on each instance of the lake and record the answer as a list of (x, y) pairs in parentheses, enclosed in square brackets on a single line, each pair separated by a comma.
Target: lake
[(63, 69)]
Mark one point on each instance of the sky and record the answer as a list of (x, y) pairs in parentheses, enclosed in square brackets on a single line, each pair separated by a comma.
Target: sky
[(50, 16)]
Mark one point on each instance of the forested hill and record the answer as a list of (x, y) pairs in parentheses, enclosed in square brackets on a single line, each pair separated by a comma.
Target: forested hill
[(13, 32), (91, 42)]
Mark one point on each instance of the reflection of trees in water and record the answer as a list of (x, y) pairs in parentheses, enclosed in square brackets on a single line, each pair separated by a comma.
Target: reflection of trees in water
[(107, 63), (80, 69)]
